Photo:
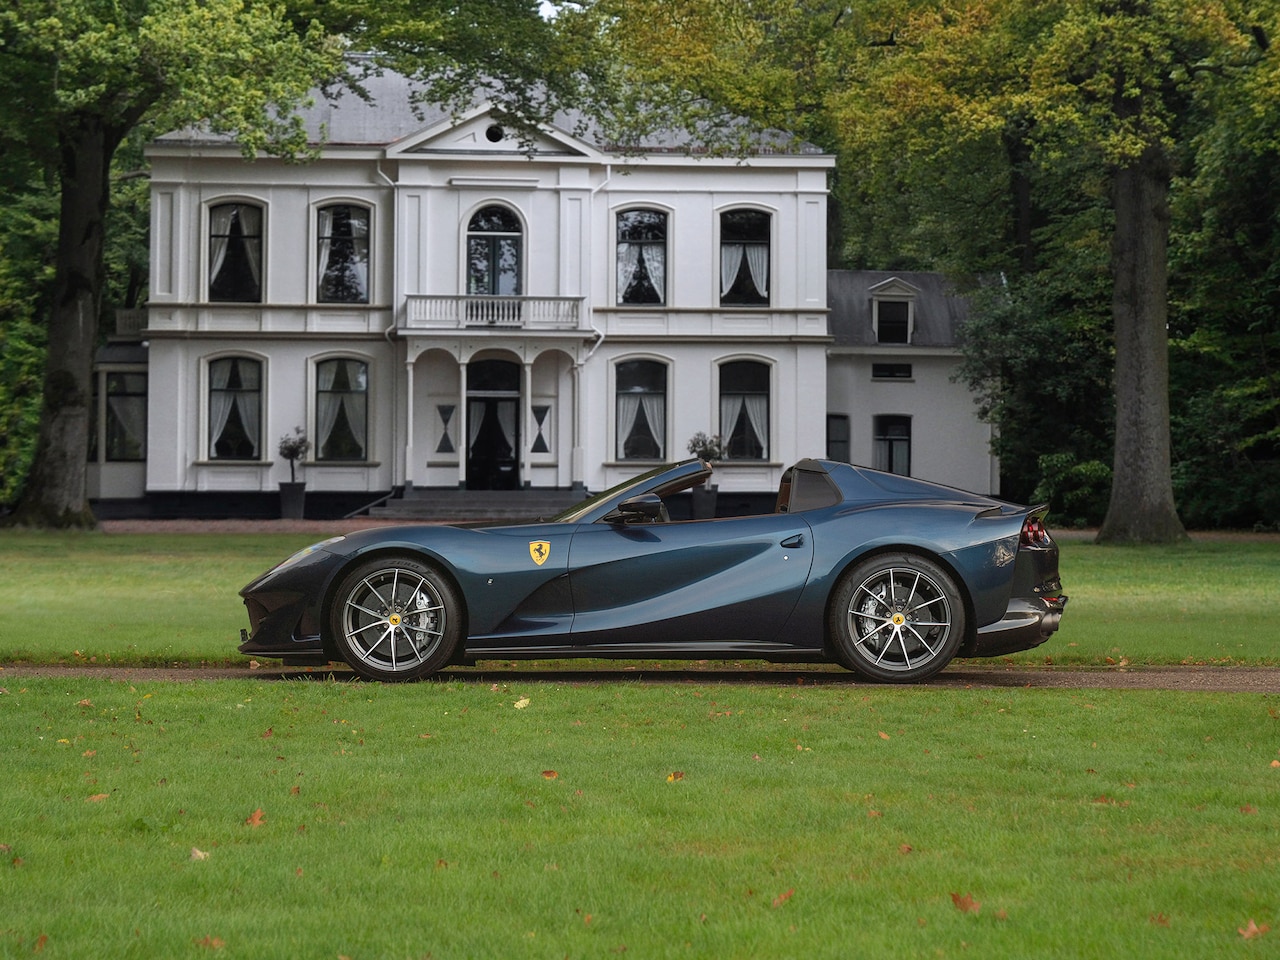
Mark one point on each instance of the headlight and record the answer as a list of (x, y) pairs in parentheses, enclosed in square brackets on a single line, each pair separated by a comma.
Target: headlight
[(306, 552)]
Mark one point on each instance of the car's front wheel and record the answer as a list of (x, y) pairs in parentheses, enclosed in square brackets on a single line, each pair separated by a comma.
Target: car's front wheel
[(395, 618), (897, 618)]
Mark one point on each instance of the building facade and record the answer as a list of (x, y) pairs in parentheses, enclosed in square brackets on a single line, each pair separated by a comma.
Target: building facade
[(437, 303)]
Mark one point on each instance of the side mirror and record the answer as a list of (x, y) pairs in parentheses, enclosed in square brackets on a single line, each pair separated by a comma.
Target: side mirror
[(642, 508)]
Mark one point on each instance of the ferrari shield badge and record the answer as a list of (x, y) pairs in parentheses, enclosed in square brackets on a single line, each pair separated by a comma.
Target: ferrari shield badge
[(540, 550)]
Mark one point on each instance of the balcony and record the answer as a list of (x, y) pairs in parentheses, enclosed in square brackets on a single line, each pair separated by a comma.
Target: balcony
[(424, 312)]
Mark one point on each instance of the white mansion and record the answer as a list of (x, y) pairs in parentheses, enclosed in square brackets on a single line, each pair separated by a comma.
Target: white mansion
[(439, 306)]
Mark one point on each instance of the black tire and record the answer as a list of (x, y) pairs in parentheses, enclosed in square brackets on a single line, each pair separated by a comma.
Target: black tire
[(896, 618), (395, 618)]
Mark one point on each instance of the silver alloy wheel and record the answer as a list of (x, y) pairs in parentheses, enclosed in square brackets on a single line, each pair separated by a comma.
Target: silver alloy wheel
[(900, 619), (393, 619)]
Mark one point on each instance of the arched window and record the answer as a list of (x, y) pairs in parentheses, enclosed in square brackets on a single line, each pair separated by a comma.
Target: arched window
[(641, 410), (494, 251), (744, 409), (342, 256), (342, 410), (744, 257), (235, 253), (235, 408), (642, 257)]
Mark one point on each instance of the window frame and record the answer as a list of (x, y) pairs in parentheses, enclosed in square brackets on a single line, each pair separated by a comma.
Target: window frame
[(664, 442), (319, 274), (911, 318), (206, 387), (468, 233), (99, 448), (313, 412), (209, 274), (723, 293), (664, 291), (726, 431), (882, 442)]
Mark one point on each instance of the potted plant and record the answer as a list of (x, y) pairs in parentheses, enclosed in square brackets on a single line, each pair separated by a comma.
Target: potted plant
[(705, 447), (293, 493)]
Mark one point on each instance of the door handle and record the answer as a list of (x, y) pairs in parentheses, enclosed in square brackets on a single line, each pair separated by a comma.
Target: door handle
[(792, 542)]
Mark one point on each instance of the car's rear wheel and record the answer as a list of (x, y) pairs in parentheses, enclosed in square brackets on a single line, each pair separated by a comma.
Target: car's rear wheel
[(395, 618), (897, 618)]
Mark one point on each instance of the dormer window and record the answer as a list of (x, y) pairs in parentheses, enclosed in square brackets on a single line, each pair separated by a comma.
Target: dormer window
[(893, 311)]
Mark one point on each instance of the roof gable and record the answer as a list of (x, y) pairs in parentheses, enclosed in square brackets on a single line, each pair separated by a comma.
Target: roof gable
[(478, 133)]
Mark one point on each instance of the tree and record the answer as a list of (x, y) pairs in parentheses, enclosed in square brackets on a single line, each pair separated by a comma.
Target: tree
[(80, 76), (1110, 88)]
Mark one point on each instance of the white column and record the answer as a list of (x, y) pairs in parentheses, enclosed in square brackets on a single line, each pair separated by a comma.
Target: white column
[(408, 421), (526, 431), (464, 430)]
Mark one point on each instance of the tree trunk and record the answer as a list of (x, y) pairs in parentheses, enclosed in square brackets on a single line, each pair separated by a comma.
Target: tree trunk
[(55, 493), (1141, 508)]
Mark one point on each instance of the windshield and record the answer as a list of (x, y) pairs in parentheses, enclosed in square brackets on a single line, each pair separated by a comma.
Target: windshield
[(579, 510)]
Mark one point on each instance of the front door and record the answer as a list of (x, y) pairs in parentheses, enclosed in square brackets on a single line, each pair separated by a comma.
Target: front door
[(493, 425)]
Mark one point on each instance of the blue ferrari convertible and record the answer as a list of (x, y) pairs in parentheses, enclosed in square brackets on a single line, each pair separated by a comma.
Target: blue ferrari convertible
[(890, 576)]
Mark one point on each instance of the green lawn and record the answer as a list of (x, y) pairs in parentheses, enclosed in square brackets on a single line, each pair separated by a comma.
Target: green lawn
[(700, 819)]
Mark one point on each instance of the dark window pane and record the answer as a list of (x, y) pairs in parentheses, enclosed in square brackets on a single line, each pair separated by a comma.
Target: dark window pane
[(838, 437), (891, 371), (343, 256), (744, 409), (892, 440), (494, 220), (892, 321), (235, 253), (641, 403)]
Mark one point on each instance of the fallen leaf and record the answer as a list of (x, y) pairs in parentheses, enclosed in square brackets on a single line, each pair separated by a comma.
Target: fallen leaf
[(874, 813), (96, 798), (966, 904), (905, 849), (199, 854), (677, 775), (1248, 808), (1275, 763), (549, 774), (883, 735), (268, 734), (254, 664), (213, 943), (89, 753), (521, 703), (1158, 920), (40, 942), (256, 819), (86, 702), (1253, 931), (782, 898)]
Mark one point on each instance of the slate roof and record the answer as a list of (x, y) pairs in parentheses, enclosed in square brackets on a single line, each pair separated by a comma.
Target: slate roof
[(392, 113), (939, 310)]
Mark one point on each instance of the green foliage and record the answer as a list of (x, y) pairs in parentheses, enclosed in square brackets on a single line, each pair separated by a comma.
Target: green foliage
[(1077, 492)]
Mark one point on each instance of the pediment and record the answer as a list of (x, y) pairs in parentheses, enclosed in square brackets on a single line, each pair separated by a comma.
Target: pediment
[(477, 133), (894, 287)]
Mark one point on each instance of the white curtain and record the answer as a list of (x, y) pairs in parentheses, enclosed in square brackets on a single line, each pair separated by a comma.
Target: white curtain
[(251, 226), (327, 402), (131, 414), (655, 260), (758, 414), (628, 410), (730, 260), (324, 227), (730, 407), (757, 255), (357, 406), (219, 231), (250, 402), (628, 263), (655, 411), (507, 421), (220, 400)]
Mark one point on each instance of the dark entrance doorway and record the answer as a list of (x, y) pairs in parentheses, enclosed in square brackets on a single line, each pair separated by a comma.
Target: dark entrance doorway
[(493, 425)]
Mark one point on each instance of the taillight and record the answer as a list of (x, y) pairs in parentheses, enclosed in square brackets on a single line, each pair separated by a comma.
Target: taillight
[(1034, 533)]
